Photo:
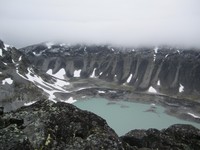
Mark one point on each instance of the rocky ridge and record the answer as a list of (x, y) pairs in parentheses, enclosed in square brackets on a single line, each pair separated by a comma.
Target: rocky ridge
[(48, 125)]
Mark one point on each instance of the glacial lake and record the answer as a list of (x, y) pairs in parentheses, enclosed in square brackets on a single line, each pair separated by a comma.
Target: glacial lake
[(125, 116)]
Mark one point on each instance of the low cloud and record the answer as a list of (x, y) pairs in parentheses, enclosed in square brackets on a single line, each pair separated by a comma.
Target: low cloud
[(122, 22)]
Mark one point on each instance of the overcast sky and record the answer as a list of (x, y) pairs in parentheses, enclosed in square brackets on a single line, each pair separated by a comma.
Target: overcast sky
[(128, 22)]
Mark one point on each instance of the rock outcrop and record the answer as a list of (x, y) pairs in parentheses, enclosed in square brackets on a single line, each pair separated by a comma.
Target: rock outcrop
[(47, 125)]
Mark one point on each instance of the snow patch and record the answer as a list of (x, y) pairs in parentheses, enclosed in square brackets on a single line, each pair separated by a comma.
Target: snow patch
[(156, 50), (70, 100), (38, 54), (6, 46), (133, 50), (129, 78), (77, 73), (178, 51), (60, 74), (152, 90), (166, 55), (29, 103), (0, 72), (101, 92), (7, 80), (20, 58), (153, 105), (93, 74), (49, 44), (181, 88), (1, 53), (158, 83), (5, 63), (193, 115), (112, 49)]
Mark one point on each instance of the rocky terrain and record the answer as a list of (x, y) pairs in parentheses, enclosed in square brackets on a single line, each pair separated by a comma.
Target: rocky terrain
[(63, 73), (48, 125)]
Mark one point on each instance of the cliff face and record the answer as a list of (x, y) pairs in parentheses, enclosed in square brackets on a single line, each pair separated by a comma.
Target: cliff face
[(168, 70)]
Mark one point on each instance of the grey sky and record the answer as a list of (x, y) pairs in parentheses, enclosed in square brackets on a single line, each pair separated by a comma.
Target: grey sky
[(128, 22)]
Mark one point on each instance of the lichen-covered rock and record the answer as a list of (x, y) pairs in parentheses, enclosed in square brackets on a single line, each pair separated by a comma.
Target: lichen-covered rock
[(48, 125), (176, 137)]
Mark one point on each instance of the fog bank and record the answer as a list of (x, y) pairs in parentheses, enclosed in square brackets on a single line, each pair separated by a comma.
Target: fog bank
[(122, 22)]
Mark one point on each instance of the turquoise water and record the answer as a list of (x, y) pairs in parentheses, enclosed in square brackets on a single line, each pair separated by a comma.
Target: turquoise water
[(124, 116)]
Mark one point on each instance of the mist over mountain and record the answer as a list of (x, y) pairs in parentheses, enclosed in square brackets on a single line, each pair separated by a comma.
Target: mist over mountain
[(129, 22)]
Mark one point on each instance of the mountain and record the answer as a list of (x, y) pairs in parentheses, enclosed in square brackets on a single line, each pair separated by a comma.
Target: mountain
[(169, 71), (45, 72), (57, 71)]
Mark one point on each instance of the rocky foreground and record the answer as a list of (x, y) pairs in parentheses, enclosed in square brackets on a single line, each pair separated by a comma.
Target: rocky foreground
[(47, 125)]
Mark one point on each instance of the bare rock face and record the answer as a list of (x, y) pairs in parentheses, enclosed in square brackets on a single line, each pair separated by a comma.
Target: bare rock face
[(48, 125)]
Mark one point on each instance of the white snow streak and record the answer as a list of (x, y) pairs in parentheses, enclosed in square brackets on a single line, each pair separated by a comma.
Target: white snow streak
[(93, 74), (166, 55), (20, 58), (129, 78), (193, 115), (29, 103)]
